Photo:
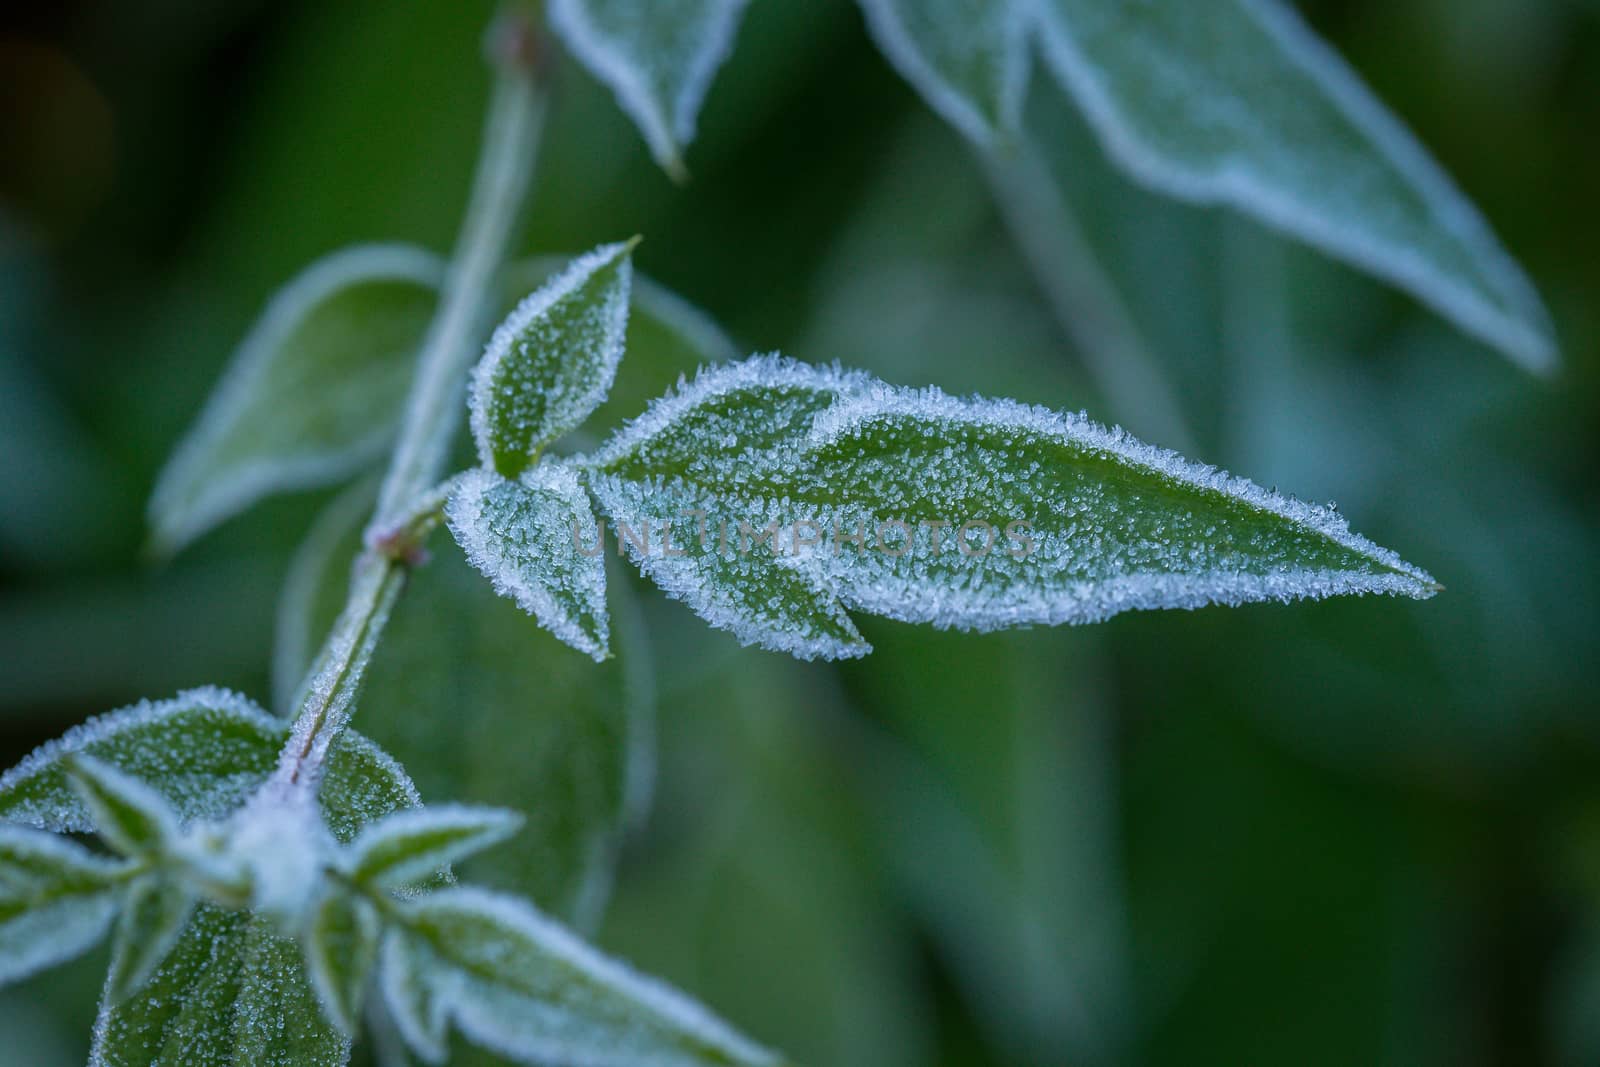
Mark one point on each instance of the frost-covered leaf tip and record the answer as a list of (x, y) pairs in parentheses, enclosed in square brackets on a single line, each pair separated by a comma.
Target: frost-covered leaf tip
[(531, 537), (312, 394), (772, 496), (658, 56), (552, 361)]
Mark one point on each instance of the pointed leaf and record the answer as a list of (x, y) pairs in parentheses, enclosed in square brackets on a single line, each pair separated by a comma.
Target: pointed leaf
[(529, 537), (129, 815), (341, 948), (56, 900), (230, 992), (153, 917), (658, 56), (203, 752), (411, 845), (552, 361), (314, 392), (519, 984), (971, 514), (968, 58), (530, 726), (1238, 102)]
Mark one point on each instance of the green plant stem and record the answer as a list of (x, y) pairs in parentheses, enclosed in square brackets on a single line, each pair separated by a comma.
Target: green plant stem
[(1082, 297), (407, 503)]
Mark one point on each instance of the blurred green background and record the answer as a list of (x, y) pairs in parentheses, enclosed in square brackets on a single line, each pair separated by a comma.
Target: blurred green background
[(1353, 832)]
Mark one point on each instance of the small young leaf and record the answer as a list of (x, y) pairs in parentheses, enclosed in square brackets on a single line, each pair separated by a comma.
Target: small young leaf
[(528, 537), (411, 845), (203, 752), (129, 815), (522, 986), (56, 900), (968, 58), (1238, 102), (312, 394), (1073, 523), (230, 992), (658, 56), (552, 361), (153, 916), (406, 983), (557, 737), (341, 948)]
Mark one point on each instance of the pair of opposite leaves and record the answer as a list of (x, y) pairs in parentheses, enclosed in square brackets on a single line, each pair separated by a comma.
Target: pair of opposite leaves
[(759, 449)]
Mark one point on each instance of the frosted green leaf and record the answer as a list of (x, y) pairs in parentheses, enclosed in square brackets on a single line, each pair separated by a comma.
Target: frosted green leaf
[(552, 361), (523, 986), (56, 900), (230, 992), (411, 845), (341, 948), (127, 814), (1238, 102), (531, 538), (204, 751), (681, 533), (313, 393), (562, 740), (658, 56), (968, 58), (968, 514), (153, 916)]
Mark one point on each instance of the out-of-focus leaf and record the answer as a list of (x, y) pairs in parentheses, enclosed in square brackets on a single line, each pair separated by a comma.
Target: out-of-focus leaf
[(129, 815), (1074, 523), (340, 949), (518, 983), (415, 844), (1001, 829), (530, 726), (204, 751), (56, 900), (153, 917), (763, 851), (552, 361), (968, 58), (314, 392), (529, 537), (658, 56), (230, 992), (1237, 102)]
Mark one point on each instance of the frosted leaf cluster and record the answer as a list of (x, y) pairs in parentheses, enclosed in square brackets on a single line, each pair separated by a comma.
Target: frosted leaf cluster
[(658, 56), (256, 936), (782, 495), (189, 975), (312, 393)]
